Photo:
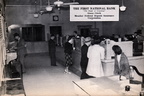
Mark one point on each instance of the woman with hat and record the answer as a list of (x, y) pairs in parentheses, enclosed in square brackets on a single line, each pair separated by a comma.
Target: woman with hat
[(84, 58)]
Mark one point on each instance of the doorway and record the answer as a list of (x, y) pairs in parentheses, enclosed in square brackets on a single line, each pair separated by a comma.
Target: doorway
[(85, 30), (56, 30)]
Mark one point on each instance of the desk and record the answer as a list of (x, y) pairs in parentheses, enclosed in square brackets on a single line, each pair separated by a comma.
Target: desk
[(11, 56), (12, 83), (106, 86)]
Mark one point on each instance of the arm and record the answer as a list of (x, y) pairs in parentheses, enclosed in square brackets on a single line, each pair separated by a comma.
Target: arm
[(125, 65), (88, 53), (21, 45), (102, 53), (12, 46)]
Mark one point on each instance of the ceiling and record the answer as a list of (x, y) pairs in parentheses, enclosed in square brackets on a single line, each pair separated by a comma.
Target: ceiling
[(44, 2)]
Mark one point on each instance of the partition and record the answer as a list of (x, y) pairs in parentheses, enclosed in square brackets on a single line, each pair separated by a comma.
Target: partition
[(2, 48), (126, 46)]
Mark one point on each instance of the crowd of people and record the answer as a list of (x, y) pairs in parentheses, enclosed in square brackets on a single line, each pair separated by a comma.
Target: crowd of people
[(92, 54)]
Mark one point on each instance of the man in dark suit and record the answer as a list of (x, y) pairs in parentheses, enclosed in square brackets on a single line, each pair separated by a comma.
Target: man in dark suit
[(52, 50), (84, 59), (21, 50)]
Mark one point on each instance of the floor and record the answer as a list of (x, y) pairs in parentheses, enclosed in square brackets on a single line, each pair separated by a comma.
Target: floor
[(41, 79)]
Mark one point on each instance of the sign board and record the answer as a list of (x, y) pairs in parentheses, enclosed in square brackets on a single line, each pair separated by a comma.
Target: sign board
[(94, 12)]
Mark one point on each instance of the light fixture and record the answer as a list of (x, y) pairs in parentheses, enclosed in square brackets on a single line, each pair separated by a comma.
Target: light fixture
[(49, 7), (36, 15), (122, 8), (58, 3)]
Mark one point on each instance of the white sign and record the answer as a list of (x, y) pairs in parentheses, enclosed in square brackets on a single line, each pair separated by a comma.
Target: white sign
[(94, 12)]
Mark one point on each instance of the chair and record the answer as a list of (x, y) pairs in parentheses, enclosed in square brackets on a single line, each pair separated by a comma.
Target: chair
[(140, 74)]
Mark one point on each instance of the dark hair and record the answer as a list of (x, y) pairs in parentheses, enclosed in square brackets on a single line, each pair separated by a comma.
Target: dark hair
[(75, 32), (139, 32), (117, 50), (52, 35), (16, 34), (96, 41), (69, 38)]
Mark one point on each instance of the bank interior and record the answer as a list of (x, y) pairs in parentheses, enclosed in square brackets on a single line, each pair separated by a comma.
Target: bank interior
[(36, 28)]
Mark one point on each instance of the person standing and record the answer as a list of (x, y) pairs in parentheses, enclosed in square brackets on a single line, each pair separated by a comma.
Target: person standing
[(95, 54), (68, 48), (84, 58), (121, 65), (21, 50), (52, 50)]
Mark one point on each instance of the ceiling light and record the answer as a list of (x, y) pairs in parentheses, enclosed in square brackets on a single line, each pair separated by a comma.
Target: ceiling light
[(49, 8), (36, 15), (58, 3), (122, 8)]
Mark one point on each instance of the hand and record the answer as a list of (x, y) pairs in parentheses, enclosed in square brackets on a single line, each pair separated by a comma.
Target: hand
[(120, 77), (74, 48), (15, 48)]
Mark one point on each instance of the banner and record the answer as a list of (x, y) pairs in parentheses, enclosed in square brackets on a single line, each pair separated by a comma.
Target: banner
[(94, 12)]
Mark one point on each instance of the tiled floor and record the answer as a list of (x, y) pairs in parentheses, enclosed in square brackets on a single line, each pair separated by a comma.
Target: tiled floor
[(41, 79)]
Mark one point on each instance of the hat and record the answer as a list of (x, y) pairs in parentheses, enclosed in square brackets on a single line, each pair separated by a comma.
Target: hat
[(87, 39)]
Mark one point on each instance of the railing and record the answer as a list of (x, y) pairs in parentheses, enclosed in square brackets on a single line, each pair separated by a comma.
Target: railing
[(140, 74)]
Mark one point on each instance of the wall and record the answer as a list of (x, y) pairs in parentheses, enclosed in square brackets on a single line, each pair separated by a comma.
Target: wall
[(37, 47), (129, 21), (24, 15)]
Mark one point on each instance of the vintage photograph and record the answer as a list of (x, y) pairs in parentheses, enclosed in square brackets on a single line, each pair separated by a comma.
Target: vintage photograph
[(71, 48)]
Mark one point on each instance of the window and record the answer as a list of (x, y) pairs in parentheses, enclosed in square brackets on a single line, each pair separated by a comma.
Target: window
[(33, 33)]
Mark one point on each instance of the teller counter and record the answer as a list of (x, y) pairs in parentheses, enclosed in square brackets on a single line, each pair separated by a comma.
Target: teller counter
[(108, 64), (60, 56), (138, 61), (126, 46)]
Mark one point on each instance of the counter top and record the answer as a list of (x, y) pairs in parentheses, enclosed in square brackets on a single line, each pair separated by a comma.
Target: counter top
[(11, 56), (104, 86), (129, 58)]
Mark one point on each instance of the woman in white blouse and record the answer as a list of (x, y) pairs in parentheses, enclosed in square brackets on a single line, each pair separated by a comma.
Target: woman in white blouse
[(95, 54)]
